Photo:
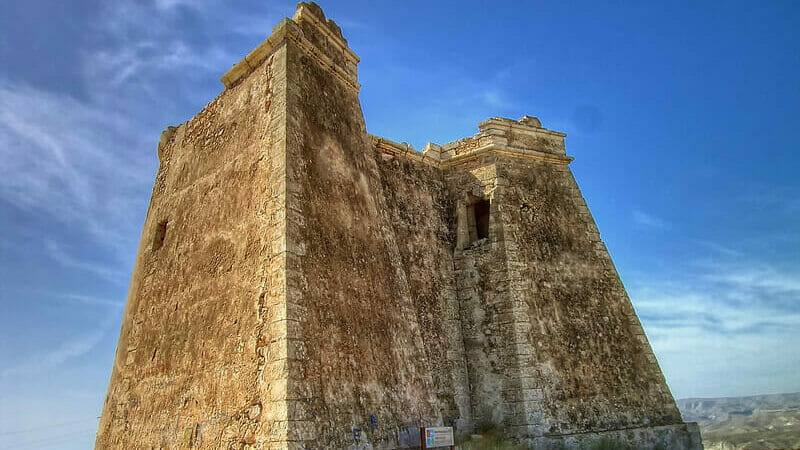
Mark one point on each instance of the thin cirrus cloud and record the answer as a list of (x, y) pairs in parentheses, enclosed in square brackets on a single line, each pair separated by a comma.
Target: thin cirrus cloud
[(66, 349), (60, 255), (761, 279), (722, 297), (85, 163), (649, 220), (730, 317), (81, 161), (718, 248), (60, 159), (90, 300), (71, 348)]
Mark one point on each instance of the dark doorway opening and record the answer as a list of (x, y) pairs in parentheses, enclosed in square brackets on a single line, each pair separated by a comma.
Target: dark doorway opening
[(481, 209)]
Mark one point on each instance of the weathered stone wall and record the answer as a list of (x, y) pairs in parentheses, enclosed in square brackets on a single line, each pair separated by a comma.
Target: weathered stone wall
[(358, 345), (481, 278), (587, 363), (422, 217), (196, 362)]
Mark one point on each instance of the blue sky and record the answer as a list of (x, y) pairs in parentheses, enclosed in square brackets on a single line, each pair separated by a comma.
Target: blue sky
[(682, 118)]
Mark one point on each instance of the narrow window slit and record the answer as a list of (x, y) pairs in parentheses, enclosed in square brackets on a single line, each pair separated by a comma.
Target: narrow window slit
[(160, 235), (481, 210), (473, 221)]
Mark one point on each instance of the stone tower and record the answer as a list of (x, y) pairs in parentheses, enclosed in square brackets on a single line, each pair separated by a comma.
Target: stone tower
[(299, 278)]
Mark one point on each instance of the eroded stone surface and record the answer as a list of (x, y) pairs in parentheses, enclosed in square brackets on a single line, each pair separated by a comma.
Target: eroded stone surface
[(297, 276)]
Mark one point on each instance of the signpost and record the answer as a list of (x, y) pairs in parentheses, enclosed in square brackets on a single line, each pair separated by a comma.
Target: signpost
[(436, 437)]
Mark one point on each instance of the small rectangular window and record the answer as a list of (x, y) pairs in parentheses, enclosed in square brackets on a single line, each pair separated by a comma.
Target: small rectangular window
[(481, 209), (159, 235)]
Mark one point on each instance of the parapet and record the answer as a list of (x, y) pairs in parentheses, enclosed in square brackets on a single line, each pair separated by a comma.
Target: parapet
[(319, 37), (523, 138), (326, 36)]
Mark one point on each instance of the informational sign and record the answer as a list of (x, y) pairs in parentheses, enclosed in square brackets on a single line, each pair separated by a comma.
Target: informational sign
[(357, 434), (373, 421), (436, 437)]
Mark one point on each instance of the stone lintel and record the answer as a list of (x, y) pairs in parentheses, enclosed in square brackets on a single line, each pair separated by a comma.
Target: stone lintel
[(289, 29)]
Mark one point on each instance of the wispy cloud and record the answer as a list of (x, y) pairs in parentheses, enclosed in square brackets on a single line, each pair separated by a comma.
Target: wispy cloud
[(717, 310), (759, 285), (73, 299), (649, 220), (348, 23), (495, 92), (474, 97), (88, 162), (61, 158), (82, 161), (92, 301), (142, 42), (728, 317), (168, 5), (68, 349), (718, 248), (495, 98), (58, 254), (150, 59)]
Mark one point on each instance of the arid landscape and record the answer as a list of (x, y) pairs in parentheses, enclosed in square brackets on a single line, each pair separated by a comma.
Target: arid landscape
[(757, 422)]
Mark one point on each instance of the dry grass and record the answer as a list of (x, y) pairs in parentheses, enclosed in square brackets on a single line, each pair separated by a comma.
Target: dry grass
[(491, 438)]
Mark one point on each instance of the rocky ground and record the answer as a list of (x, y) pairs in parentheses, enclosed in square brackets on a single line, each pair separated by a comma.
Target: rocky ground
[(756, 422)]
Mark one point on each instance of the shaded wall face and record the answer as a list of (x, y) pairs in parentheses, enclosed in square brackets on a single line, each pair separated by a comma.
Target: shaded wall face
[(190, 369), (585, 361), (481, 279), (422, 217), (551, 340), (358, 343)]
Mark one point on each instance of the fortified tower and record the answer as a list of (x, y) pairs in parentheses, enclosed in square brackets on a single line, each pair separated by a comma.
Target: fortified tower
[(299, 278)]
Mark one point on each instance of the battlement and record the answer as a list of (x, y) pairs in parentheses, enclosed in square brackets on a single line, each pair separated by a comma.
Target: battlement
[(319, 37), (523, 138)]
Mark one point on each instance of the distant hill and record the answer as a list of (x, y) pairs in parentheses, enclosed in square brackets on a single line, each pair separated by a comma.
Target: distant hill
[(756, 422)]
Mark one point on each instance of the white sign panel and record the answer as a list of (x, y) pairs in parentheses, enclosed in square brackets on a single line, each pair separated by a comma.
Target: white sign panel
[(439, 437)]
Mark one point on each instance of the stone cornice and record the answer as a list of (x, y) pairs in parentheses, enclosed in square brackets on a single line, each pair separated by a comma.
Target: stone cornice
[(520, 126), (327, 63), (514, 152), (305, 13), (288, 29), (432, 156)]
